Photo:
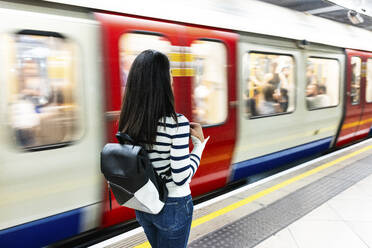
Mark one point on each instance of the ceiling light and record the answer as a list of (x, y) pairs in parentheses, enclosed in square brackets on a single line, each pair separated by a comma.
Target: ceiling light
[(354, 17)]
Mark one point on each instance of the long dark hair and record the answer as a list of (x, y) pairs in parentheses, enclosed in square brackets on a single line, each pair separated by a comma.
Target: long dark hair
[(148, 97)]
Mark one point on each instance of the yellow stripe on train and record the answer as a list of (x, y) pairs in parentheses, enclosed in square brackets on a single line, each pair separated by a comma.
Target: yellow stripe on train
[(181, 57), (356, 123), (183, 72)]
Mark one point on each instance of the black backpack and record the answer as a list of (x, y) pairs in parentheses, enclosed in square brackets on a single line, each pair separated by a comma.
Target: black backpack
[(131, 177)]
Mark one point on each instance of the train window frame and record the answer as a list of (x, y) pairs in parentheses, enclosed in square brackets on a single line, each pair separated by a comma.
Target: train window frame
[(78, 92), (227, 81), (295, 79), (339, 82), (360, 80), (143, 32), (366, 87)]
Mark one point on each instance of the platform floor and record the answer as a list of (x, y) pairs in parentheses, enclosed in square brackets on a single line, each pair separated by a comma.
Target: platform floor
[(326, 202), (343, 221)]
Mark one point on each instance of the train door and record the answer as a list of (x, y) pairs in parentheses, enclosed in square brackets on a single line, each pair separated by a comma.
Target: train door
[(355, 81), (367, 110), (123, 39), (365, 122), (211, 97), (265, 128)]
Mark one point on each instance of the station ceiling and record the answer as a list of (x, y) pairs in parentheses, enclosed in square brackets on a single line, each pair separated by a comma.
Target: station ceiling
[(325, 9)]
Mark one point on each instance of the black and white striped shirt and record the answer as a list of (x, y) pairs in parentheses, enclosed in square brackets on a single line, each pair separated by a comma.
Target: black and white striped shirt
[(171, 157)]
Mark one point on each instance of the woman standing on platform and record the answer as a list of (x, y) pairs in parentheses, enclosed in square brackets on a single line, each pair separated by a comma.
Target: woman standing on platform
[(148, 116)]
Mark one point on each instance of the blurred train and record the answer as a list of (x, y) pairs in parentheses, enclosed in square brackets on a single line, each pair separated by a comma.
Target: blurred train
[(271, 86)]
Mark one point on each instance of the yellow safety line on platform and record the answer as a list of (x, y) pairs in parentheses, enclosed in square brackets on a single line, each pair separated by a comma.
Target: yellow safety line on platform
[(262, 193)]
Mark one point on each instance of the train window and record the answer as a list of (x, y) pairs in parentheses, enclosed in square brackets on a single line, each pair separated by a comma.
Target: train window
[(42, 82), (209, 86), (322, 83), (356, 64), (132, 44), (369, 81), (269, 85)]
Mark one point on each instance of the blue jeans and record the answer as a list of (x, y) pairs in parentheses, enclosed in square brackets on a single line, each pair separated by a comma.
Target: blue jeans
[(171, 227)]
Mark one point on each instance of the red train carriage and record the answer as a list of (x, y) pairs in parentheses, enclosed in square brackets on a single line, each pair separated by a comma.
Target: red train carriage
[(358, 104), (119, 33)]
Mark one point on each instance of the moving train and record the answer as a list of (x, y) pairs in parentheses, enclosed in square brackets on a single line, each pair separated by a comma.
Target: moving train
[(271, 86)]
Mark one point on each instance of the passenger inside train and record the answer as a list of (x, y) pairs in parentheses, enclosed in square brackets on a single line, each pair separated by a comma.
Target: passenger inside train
[(321, 89), (316, 96), (270, 87)]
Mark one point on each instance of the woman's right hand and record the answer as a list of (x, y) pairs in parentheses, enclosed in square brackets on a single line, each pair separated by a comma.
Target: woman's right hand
[(197, 131)]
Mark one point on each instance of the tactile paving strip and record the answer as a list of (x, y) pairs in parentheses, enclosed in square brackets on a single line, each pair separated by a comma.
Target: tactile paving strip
[(254, 228)]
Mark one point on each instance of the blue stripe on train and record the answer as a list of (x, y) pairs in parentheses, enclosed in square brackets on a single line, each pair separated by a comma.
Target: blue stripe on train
[(253, 166), (42, 232)]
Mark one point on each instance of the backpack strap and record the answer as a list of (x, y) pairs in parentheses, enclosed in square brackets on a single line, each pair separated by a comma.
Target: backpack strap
[(123, 137), (109, 192)]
